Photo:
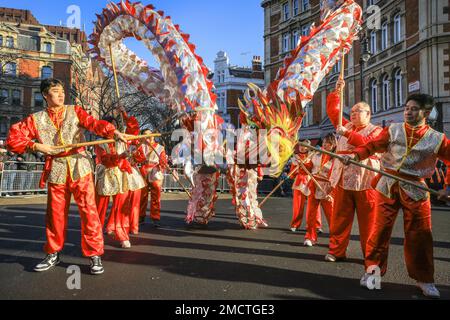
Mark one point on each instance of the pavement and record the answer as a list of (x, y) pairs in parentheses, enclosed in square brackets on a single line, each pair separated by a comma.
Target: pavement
[(221, 261)]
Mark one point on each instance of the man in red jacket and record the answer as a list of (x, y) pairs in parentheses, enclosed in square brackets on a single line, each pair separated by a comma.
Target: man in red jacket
[(353, 190), (411, 150), (67, 171)]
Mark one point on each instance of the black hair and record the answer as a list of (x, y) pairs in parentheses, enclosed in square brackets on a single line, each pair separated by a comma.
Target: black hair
[(47, 84), (425, 101)]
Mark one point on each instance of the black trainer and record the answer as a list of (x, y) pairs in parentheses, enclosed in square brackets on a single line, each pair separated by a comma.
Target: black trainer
[(96, 265), (49, 262)]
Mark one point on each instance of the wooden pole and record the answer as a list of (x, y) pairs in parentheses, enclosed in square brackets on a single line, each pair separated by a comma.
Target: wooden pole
[(341, 77), (98, 142), (276, 188), (334, 155)]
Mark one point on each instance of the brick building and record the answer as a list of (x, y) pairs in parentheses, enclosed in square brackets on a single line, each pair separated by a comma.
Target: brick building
[(30, 52), (410, 53), (231, 82)]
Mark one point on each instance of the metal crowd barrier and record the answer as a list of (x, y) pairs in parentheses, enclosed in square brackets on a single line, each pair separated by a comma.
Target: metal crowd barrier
[(19, 182), (13, 181)]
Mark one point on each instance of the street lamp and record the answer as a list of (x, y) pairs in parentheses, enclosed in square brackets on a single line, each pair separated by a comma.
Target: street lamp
[(365, 56)]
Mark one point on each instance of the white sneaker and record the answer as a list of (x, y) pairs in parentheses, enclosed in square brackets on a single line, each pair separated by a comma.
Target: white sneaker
[(125, 244), (330, 258), (308, 243), (294, 229), (363, 281), (429, 290)]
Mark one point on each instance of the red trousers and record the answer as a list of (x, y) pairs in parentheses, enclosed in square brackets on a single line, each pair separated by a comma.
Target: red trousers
[(155, 203), (418, 244), (346, 202), (102, 207), (119, 219), (298, 207), (311, 214), (58, 204), (135, 207)]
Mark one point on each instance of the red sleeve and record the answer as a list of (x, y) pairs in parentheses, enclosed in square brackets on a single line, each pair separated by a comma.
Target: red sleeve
[(99, 127), (379, 144), (163, 160), (333, 106), (356, 139), (21, 136), (107, 159), (444, 153), (139, 155), (131, 123)]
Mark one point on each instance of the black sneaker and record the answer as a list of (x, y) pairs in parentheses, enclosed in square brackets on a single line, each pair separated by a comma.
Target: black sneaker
[(96, 265), (49, 262)]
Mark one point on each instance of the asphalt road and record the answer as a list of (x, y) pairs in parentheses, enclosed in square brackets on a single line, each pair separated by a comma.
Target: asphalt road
[(221, 261)]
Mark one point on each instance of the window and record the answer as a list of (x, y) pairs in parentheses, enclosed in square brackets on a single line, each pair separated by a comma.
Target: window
[(46, 72), (398, 79), (11, 69), (386, 93), (305, 5), (397, 28), (285, 11), (285, 42), (308, 118), (1, 41), (337, 67), (3, 126), (38, 100), (295, 38), (295, 10), (305, 30), (16, 97), (374, 95), (10, 42), (4, 98), (48, 47), (370, 3), (384, 36), (373, 42)]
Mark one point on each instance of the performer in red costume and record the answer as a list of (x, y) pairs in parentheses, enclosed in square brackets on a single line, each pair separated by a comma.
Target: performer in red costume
[(411, 151), (353, 190), (117, 177), (152, 170), (68, 172), (320, 167), (300, 187)]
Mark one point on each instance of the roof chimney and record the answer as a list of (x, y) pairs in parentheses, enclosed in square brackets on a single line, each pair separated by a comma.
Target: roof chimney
[(256, 63)]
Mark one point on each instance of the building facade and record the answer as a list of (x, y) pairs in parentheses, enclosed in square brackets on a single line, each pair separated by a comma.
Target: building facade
[(231, 82), (409, 53), (31, 52)]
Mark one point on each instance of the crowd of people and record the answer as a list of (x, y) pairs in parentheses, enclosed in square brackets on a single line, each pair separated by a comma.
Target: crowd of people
[(129, 171)]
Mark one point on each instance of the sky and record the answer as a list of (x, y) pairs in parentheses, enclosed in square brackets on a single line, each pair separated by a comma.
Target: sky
[(235, 26)]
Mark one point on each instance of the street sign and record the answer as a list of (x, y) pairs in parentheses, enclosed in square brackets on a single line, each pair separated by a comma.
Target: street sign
[(414, 86)]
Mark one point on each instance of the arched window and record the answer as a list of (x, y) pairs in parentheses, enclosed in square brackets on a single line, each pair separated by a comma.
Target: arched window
[(374, 95), (295, 38), (286, 37), (397, 28), (398, 93), (47, 72), (386, 93), (384, 36), (373, 42)]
